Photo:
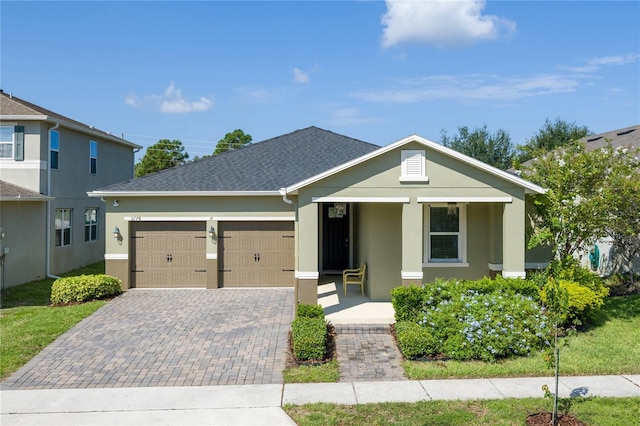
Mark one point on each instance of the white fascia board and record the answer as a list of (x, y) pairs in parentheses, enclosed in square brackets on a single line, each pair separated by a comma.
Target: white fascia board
[(24, 117), (183, 193), (529, 187), (465, 199), (404, 200)]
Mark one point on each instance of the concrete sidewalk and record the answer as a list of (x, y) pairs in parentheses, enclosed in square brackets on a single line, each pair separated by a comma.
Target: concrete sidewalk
[(261, 404)]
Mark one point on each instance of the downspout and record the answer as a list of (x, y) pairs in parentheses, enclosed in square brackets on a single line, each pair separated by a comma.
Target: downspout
[(283, 192), (48, 239)]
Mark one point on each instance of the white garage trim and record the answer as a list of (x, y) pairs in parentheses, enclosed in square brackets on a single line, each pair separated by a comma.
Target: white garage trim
[(166, 218), (212, 256), (465, 199), (253, 218), (404, 200), (116, 256)]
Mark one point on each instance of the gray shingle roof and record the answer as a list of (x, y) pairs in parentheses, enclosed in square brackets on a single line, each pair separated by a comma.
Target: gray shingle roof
[(264, 166), (626, 137), (9, 192)]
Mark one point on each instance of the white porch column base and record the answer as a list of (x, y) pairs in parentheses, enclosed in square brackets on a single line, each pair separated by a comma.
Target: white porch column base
[(411, 275), (514, 274), (307, 275)]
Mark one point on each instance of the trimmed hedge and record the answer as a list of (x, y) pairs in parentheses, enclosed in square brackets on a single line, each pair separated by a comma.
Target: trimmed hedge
[(309, 338), (415, 341), (84, 288), (310, 311), (584, 302)]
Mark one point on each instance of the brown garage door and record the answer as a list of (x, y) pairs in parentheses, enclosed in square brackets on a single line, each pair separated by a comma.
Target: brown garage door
[(168, 254), (256, 254)]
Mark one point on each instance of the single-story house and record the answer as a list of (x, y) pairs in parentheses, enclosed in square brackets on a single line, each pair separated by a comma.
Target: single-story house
[(284, 211)]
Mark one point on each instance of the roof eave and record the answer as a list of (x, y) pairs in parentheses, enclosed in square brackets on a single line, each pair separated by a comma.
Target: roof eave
[(97, 194)]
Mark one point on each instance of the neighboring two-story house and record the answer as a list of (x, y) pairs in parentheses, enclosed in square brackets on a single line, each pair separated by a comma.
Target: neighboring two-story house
[(48, 163)]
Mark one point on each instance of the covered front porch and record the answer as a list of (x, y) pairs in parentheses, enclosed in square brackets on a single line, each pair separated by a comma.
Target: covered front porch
[(353, 308)]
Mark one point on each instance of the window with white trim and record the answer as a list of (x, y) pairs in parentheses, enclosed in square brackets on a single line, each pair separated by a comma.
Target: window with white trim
[(63, 227), (6, 141), (91, 224), (413, 166), (93, 157), (445, 234), (54, 138)]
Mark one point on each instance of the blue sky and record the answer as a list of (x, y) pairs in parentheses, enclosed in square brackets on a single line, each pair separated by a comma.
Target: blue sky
[(373, 70)]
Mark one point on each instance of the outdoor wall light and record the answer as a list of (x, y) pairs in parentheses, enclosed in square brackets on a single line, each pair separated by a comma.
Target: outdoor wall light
[(212, 232), (451, 208), (1, 233), (116, 233), (116, 203)]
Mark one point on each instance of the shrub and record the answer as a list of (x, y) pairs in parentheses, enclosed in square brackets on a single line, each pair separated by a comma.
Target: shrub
[(310, 311), (584, 302), (415, 341), (83, 288), (308, 338), (407, 303)]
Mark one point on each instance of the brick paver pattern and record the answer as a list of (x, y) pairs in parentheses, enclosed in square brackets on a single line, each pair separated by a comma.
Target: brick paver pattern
[(186, 337), (367, 353)]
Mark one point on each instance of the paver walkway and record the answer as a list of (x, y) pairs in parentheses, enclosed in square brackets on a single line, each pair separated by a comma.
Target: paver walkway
[(367, 353), (187, 337)]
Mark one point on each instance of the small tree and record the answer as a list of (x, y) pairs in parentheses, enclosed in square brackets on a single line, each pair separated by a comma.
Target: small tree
[(494, 149), (551, 136), (165, 154), (582, 201), (233, 140)]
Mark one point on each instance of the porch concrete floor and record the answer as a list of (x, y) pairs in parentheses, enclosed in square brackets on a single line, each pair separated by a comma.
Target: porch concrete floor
[(352, 309)]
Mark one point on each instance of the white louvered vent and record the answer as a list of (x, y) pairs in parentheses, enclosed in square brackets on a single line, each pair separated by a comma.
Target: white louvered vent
[(413, 166)]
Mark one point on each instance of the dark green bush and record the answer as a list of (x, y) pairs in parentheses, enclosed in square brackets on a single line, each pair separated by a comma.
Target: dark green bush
[(415, 341), (407, 303), (309, 338), (310, 311), (83, 288)]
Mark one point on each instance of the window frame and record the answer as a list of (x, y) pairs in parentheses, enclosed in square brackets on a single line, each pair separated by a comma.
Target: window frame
[(93, 158), (60, 236), (461, 261), (11, 144), (54, 165), (91, 226), (409, 159)]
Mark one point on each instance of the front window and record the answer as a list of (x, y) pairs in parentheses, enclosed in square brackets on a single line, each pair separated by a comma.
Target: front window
[(446, 234), (63, 227), (6, 141), (91, 224), (55, 148), (93, 157)]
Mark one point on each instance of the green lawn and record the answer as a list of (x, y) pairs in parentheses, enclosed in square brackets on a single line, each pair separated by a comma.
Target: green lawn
[(28, 323), (592, 411), (609, 347)]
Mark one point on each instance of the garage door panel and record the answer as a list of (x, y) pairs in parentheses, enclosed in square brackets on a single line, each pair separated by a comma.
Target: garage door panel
[(256, 254), (168, 254)]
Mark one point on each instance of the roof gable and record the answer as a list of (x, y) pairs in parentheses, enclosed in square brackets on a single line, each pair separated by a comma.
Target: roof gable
[(528, 186), (265, 166)]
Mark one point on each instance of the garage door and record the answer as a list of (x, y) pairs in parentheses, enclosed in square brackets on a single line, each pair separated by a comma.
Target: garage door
[(256, 254), (168, 254)]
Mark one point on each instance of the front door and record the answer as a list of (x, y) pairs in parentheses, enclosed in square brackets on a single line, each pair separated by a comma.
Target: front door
[(335, 237)]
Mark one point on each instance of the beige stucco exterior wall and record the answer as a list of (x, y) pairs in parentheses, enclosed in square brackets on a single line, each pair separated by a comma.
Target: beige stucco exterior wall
[(23, 223)]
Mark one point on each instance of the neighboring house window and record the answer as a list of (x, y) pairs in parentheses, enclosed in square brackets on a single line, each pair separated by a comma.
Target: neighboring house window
[(63, 227), (91, 224), (6, 141), (93, 157), (55, 148), (413, 166), (446, 229)]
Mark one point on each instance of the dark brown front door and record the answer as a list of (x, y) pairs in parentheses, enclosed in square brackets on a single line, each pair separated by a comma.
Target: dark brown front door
[(335, 238)]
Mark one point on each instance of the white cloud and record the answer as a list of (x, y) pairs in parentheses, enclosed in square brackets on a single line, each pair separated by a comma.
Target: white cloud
[(300, 76), (474, 87), (171, 101), (594, 64), (347, 116), (443, 24)]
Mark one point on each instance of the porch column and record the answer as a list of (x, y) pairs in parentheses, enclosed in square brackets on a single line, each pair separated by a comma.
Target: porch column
[(513, 239), (307, 257), (412, 238)]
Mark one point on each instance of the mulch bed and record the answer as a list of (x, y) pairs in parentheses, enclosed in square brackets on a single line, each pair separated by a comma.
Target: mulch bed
[(545, 419), (330, 350)]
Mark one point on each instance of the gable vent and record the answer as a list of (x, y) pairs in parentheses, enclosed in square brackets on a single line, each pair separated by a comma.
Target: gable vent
[(413, 165)]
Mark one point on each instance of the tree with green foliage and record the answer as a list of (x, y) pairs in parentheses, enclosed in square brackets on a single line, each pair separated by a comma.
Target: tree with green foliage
[(551, 136), (232, 140), (583, 201), (165, 154), (494, 149)]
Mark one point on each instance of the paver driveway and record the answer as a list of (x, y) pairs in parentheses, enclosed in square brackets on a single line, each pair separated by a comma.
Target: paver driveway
[(169, 338)]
